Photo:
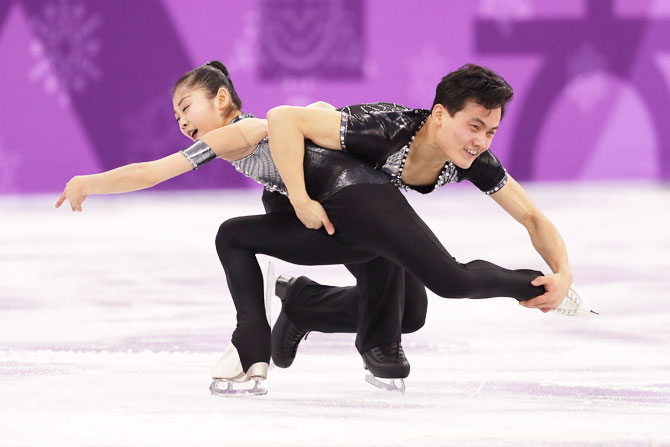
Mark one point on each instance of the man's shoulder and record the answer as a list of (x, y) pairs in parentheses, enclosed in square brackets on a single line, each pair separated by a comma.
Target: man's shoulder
[(379, 108)]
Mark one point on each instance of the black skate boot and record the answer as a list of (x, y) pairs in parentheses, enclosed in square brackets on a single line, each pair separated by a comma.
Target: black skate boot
[(286, 336), (387, 361)]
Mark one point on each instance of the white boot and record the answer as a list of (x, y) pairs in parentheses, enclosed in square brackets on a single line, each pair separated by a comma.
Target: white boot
[(229, 370), (573, 304)]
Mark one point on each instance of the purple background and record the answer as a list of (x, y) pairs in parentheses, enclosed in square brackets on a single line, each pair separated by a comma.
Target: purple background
[(85, 85)]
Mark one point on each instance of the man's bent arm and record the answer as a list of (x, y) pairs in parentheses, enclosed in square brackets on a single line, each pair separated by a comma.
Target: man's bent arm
[(288, 127)]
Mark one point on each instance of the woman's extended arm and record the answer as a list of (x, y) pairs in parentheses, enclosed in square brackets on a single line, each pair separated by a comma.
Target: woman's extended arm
[(229, 142), (127, 178)]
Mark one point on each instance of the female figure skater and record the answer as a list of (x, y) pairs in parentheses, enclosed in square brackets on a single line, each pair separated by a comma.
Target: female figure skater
[(207, 110)]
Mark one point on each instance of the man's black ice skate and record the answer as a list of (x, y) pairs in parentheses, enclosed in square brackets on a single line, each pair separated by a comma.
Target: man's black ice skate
[(286, 336), (387, 361)]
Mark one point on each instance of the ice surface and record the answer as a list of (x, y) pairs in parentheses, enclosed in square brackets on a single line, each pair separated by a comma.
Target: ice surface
[(111, 319)]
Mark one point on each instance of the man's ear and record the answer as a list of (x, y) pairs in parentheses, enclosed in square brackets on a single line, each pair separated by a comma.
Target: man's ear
[(439, 112)]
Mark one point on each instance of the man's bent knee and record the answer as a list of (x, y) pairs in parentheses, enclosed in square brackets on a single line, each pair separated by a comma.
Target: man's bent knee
[(413, 325)]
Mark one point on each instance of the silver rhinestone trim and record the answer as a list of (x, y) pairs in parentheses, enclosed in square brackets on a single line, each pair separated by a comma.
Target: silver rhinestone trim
[(396, 177), (343, 129), (497, 188)]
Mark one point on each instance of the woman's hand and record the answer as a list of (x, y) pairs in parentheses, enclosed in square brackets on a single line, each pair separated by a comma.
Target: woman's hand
[(74, 193)]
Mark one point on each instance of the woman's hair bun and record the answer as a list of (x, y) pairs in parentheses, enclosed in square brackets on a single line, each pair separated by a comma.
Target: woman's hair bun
[(219, 66)]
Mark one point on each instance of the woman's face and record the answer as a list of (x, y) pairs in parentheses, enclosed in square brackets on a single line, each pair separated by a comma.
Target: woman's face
[(196, 114)]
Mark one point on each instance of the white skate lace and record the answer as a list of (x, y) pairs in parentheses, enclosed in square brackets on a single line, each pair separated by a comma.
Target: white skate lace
[(570, 304)]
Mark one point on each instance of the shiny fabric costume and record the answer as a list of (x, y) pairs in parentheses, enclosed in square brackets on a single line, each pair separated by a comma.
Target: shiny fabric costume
[(379, 237), (379, 135)]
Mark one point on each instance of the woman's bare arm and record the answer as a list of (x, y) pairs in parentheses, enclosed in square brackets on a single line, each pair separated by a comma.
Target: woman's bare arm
[(236, 140), (230, 142)]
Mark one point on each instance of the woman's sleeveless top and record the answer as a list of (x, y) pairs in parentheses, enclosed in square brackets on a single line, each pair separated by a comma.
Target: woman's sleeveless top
[(326, 171)]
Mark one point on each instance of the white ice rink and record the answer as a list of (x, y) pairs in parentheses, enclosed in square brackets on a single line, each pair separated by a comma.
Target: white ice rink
[(111, 319)]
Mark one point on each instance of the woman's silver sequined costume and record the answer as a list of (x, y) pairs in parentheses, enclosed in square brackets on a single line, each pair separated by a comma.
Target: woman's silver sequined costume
[(326, 171)]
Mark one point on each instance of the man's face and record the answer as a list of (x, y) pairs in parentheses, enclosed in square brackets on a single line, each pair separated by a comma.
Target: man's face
[(467, 134), (196, 114)]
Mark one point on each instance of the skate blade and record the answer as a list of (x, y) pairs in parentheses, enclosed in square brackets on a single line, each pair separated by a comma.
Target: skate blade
[(388, 386), (270, 280), (230, 391)]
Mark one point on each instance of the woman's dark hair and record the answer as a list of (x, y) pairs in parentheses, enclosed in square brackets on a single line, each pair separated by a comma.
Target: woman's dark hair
[(473, 82), (211, 76)]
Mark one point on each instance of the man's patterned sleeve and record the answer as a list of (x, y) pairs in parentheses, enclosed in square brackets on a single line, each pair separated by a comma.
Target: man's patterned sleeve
[(486, 173)]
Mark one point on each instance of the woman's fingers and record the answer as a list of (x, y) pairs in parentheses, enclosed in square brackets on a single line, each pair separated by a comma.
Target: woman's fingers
[(61, 199)]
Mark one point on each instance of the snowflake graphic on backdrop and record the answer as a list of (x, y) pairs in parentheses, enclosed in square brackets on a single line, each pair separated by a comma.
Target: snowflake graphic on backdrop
[(505, 12), (9, 169), (426, 69), (65, 49), (588, 85), (244, 47), (311, 38), (151, 129)]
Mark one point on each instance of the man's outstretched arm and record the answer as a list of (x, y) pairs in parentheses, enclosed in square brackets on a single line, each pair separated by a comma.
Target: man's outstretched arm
[(288, 127), (546, 240)]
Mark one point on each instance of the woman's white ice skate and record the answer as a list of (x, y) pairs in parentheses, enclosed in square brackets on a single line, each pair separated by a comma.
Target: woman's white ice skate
[(574, 304), (229, 370)]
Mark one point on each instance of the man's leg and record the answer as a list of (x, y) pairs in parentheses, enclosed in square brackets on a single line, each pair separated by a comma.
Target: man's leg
[(335, 309), (416, 305), (331, 309), (377, 218), (309, 306)]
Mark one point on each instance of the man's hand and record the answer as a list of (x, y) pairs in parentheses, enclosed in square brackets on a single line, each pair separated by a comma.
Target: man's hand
[(556, 287), (74, 193), (312, 215)]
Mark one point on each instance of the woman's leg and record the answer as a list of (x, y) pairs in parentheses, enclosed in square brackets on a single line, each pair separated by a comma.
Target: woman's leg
[(280, 235)]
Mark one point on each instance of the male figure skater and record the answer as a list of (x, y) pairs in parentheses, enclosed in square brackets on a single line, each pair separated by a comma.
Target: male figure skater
[(421, 150)]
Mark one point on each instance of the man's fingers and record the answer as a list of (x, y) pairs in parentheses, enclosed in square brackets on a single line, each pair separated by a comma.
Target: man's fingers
[(61, 199), (327, 224), (539, 281), (537, 302)]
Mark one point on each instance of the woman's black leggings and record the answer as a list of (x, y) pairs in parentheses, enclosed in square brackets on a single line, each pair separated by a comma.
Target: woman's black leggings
[(371, 221)]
